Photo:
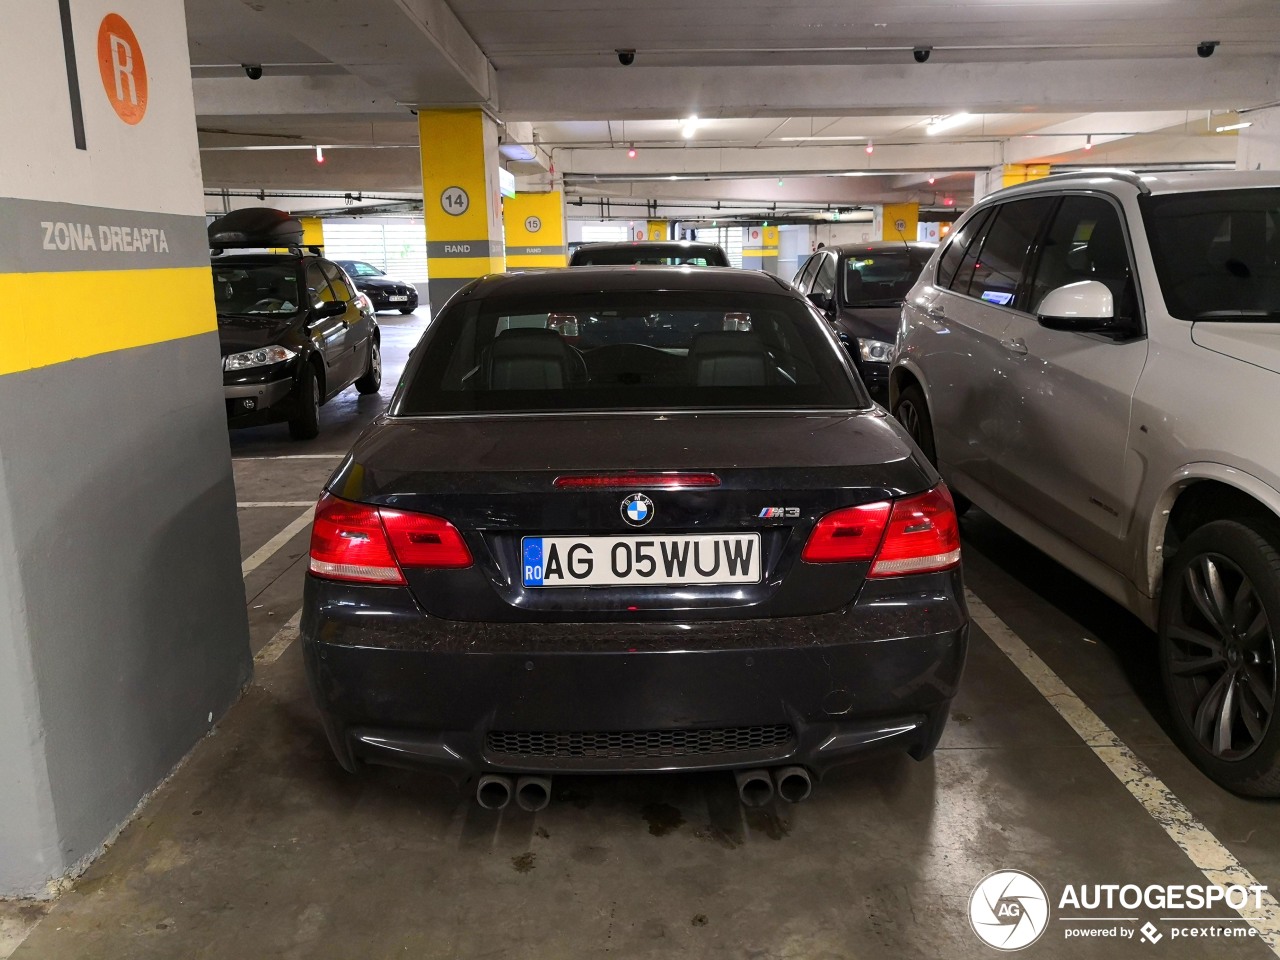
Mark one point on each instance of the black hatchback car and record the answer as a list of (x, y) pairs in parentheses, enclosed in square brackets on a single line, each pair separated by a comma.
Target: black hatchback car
[(632, 519), (294, 331), (386, 293), (860, 287)]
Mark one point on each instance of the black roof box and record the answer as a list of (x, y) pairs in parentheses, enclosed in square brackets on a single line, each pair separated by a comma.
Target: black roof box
[(255, 227)]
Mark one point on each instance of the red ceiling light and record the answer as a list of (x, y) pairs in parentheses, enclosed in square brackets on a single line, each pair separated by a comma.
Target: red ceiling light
[(948, 201), (631, 152), (871, 147)]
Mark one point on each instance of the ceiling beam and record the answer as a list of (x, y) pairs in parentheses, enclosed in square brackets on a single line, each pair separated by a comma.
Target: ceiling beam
[(414, 51), (639, 92)]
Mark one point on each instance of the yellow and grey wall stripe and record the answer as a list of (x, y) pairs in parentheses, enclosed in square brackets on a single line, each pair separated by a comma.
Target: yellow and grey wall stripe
[(78, 281), (760, 247)]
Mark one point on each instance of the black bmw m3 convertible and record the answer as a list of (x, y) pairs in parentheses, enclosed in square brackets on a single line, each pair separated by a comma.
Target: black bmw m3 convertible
[(632, 519)]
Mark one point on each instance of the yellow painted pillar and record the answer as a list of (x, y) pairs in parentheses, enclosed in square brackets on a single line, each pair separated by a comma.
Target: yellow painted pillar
[(657, 229), (462, 205), (312, 231), (760, 248), (534, 225), (900, 221), (1016, 173)]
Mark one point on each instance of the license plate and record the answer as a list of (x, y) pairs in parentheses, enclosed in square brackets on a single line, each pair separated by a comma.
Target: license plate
[(397, 297), (645, 561)]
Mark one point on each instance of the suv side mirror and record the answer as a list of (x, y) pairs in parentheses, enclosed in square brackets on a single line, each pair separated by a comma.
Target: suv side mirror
[(1083, 306), (328, 308), (820, 300)]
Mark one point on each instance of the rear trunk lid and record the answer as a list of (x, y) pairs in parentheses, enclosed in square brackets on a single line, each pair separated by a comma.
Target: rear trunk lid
[(495, 479)]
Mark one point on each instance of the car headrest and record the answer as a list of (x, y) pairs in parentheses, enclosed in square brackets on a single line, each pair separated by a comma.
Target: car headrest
[(527, 358), (734, 358)]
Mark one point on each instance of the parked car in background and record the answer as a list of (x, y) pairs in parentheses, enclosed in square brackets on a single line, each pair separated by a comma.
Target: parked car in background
[(860, 287), (672, 253), (386, 293), (626, 520), (294, 330), (1094, 360)]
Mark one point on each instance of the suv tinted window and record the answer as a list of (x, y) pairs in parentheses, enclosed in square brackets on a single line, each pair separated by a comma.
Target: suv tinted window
[(951, 258), (623, 351), (1217, 253), (999, 268), (805, 277), (1086, 242)]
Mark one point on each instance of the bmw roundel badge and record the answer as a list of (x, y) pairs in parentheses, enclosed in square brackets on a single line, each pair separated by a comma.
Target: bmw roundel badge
[(637, 510)]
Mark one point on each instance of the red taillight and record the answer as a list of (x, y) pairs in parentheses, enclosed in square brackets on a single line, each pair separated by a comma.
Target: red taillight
[(917, 535), (852, 533), (670, 481), (923, 536), (359, 543), (421, 540)]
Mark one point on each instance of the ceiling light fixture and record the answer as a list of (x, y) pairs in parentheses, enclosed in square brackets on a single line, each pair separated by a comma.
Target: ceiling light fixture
[(939, 124), (689, 126), (1233, 126), (1088, 142), (871, 147), (319, 154), (932, 179), (631, 152)]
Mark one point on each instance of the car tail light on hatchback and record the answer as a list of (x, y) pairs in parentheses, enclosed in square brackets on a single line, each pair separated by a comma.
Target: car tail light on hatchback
[(917, 534), (363, 544)]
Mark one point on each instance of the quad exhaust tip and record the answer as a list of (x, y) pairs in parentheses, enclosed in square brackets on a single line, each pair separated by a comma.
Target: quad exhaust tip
[(533, 793), (793, 784), (755, 787), (493, 792)]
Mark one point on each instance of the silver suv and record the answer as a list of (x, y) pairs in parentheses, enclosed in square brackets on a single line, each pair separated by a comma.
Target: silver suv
[(1092, 359)]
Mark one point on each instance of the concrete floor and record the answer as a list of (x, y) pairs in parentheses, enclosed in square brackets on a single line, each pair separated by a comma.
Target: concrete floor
[(260, 846)]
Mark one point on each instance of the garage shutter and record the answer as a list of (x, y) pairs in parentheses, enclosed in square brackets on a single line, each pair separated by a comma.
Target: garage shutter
[(398, 247)]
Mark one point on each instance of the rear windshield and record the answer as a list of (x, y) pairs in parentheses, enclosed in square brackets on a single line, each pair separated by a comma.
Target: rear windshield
[(655, 256), (872, 278), (1217, 253), (628, 351), (248, 289)]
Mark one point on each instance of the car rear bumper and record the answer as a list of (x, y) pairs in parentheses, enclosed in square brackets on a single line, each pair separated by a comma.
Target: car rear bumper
[(395, 686)]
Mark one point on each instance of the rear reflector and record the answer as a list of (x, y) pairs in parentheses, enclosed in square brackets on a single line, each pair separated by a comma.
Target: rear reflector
[(363, 544), (917, 535), (846, 535), (923, 536), (621, 481)]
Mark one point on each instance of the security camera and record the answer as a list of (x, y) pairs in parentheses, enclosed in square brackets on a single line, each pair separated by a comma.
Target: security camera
[(626, 57), (252, 70), (921, 53), (1206, 48)]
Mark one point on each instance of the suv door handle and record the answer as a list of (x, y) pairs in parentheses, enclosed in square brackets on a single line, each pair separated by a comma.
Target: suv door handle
[(1015, 345)]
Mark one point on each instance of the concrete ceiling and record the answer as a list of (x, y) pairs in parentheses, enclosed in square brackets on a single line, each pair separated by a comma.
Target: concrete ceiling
[(783, 91)]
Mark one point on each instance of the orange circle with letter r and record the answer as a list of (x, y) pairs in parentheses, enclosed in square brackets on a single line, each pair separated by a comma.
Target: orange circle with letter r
[(124, 71)]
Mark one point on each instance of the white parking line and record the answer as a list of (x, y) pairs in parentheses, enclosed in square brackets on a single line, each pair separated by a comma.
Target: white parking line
[(275, 503), (1206, 851), (265, 552), (277, 645)]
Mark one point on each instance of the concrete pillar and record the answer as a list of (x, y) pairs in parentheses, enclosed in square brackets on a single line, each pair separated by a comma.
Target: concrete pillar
[(534, 227), (461, 201), (760, 248), (312, 231), (1006, 175), (123, 635), (898, 221), (1259, 145)]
